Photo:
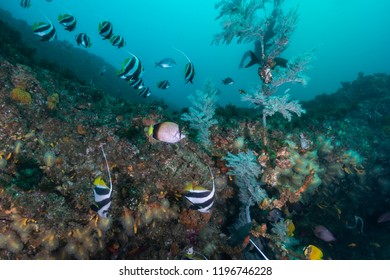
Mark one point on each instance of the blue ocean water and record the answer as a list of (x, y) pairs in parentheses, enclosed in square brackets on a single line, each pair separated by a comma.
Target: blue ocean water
[(349, 36)]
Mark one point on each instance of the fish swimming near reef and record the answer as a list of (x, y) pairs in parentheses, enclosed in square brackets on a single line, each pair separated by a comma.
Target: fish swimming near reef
[(145, 92), (312, 252), (131, 69), (167, 132), (105, 30), (102, 193), (68, 21), (189, 69), (165, 63), (323, 233), (200, 198), (274, 215), (25, 3), (163, 84), (137, 83), (228, 81), (118, 41), (45, 30), (255, 57), (83, 40), (103, 70), (385, 217)]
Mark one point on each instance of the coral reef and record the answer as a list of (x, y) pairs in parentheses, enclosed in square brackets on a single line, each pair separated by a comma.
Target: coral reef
[(325, 169)]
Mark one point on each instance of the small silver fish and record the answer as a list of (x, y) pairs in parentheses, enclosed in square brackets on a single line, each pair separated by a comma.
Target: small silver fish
[(166, 63)]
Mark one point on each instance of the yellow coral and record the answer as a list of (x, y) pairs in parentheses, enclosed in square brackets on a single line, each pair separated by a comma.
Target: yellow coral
[(21, 96), (52, 101)]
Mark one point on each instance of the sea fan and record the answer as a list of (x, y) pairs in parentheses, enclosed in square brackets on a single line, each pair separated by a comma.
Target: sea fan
[(246, 169), (200, 116), (274, 104)]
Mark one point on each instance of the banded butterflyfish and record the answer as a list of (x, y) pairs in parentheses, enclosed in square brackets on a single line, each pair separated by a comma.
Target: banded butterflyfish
[(137, 83), (105, 30), (131, 69), (68, 21), (45, 30), (189, 69), (163, 84), (83, 40), (145, 92), (118, 41), (102, 193), (200, 198)]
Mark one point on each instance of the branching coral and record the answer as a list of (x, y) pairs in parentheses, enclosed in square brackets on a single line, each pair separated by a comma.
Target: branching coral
[(246, 169), (201, 114), (273, 104)]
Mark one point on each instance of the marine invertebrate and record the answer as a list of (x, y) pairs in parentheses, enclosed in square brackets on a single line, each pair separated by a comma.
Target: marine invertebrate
[(200, 115), (52, 101), (246, 169), (49, 158), (271, 105), (21, 96)]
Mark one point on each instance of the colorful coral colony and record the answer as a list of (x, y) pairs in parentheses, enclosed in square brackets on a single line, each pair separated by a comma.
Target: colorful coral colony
[(226, 190)]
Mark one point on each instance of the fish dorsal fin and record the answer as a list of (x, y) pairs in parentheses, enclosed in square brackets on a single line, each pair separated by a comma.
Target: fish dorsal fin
[(183, 54), (46, 17), (108, 169), (99, 182)]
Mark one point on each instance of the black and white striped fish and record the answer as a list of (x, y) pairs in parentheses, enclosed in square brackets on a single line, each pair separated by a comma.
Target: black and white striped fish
[(83, 40), (189, 72), (144, 92), (45, 30), (137, 83), (102, 193), (163, 84), (200, 198), (68, 21), (131, 69), (25, 3), (189, 69), (105, 29), (118, 41)]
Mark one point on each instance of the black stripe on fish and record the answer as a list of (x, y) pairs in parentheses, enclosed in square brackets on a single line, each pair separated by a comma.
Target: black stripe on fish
[(68, 21), (189, 73), (145, 92), (132, 69), (102, 203), (42, 27), (46, 31), (156, 127), (102, 191), (163, 84), (137, 83), (206, 204), (50, 36), (105, 30), (83, 39)]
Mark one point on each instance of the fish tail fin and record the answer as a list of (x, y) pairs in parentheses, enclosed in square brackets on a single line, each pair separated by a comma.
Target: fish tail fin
[(183, 54), (108, 168), (253, 59)]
